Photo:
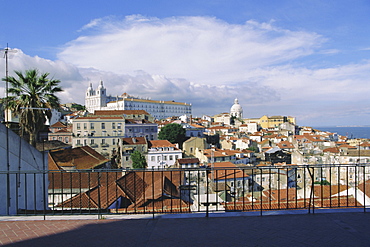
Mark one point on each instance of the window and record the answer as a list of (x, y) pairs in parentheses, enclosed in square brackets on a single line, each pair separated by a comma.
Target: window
[(164, 157), (113, 125), (176, 157), (85, 126), (171, 157), (91, 141), (78, 126), (92, 126), (103, 141), (114, 141), (103, 126), (67, 139), (152, 158), (119, 125), (78, 142)]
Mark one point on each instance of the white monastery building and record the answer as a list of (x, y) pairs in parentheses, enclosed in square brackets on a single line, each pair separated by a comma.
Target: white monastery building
[(159, 109)]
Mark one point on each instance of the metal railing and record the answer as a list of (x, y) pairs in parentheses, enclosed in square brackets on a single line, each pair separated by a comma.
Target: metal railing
[(192, 190)]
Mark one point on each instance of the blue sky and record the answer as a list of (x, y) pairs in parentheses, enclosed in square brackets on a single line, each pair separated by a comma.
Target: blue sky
[(308, 59)]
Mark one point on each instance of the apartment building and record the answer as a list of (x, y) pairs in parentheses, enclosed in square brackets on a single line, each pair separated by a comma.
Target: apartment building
[(162, 154), (104, 129)]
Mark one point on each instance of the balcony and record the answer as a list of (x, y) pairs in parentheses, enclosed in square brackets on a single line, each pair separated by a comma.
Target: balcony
[(196, 190)]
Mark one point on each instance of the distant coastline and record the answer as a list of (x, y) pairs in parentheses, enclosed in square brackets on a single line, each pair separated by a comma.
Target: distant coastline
[(352, 126), (353, 131)]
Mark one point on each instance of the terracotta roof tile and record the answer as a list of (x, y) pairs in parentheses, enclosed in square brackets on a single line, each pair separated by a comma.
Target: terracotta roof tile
[(81, 158), (161, 143), (134, 141)]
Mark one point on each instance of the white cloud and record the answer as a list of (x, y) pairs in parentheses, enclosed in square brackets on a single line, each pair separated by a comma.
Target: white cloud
[(208, 62), (70, 77), (202, 49)]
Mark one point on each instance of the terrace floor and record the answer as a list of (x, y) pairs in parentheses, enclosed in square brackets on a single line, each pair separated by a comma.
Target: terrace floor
[(293, 228)]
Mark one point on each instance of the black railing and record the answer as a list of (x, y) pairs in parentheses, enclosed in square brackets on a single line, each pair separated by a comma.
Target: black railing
[(205, 190)]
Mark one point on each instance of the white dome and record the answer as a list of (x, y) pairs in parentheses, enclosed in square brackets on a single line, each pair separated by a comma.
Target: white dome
[(236, 110)]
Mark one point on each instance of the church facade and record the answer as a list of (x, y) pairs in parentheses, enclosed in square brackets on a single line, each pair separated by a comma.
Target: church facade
[(159, 109)]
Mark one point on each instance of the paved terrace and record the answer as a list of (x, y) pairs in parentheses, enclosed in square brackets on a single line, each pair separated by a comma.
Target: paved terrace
[(324, 228)]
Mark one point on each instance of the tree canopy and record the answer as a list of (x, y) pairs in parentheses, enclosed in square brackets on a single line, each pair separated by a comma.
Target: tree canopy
[(138, 160), (32, 96), (174, 133)]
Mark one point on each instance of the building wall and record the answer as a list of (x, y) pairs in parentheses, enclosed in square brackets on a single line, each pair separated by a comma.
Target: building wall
[(158, 109), (102, 134), (159, 158), (126, 151), (98, 100), (274, 121), (192, 144), (25, 191)]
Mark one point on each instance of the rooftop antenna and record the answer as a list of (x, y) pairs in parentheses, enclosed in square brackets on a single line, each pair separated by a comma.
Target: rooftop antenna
[(6, 56)]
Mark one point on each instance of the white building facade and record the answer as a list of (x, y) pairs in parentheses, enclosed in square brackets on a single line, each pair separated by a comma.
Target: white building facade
[(162, 154), (159, 109)]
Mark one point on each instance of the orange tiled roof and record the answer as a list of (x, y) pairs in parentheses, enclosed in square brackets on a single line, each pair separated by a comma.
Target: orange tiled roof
[(58, 125), (138, 190), (188, 160), (161, 143), (221, 171), (285, 145), (331, 150), (81, 157), (134, 140)]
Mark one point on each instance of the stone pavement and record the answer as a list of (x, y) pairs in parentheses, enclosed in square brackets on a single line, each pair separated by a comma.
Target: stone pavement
[(319, 229)]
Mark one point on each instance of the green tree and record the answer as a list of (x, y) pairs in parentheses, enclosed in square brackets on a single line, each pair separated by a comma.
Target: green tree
[(253, 148), (28, 94), (138, 160), (174, 133), (323, 182)]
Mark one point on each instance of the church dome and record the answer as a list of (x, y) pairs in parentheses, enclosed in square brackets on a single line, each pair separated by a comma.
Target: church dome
[(236, 110)]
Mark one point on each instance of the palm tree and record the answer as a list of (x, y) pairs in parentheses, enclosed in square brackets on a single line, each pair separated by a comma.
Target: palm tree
[(30, 95)]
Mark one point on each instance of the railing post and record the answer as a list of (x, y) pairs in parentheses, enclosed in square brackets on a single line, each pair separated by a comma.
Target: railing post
[(153, 191), (312, 188), (207, 191)]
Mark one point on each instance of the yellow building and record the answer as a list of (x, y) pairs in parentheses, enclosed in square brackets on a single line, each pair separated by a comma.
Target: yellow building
[(275, 121), (271, 122)]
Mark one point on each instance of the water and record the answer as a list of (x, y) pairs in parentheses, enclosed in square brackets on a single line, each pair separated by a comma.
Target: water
[(350, 132)]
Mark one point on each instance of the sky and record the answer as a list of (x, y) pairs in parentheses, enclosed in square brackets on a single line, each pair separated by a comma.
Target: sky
[(309, 59)]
